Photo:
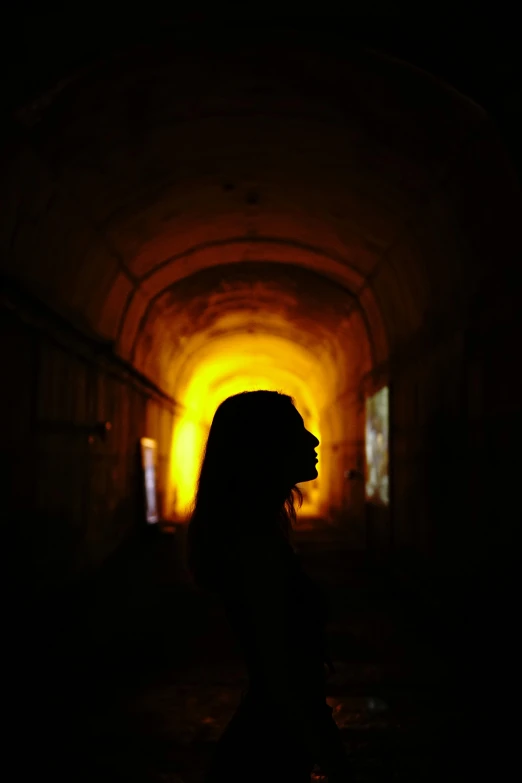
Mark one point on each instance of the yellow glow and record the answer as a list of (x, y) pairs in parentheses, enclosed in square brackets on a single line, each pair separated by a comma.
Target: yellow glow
[(213, 369)]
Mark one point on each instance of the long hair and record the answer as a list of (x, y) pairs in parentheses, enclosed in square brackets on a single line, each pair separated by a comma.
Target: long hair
[(241, 484)]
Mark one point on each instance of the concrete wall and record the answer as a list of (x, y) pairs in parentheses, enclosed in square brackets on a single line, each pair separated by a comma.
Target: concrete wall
[(455, 413), (71, 496)]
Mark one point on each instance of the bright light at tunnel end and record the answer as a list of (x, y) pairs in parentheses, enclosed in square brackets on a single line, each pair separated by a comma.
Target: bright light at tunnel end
[(238, 363)]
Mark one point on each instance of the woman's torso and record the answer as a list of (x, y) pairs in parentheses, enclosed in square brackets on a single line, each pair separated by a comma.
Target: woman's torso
[(303, 646)]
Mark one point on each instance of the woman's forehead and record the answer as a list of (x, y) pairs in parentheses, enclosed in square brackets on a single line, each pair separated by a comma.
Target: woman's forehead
[(296, 416)]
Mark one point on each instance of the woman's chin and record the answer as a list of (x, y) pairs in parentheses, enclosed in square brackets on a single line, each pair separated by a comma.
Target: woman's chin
[(308, 475)]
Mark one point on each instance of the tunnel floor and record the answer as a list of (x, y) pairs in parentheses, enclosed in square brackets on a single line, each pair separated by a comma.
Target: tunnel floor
[(138, 674)]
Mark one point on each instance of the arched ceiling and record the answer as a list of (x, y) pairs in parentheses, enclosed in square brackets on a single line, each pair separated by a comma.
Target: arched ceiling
[(256, 298), (160, 164)]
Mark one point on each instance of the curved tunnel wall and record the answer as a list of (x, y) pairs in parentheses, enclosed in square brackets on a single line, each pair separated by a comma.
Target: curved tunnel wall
[(256, 325), (366, 172)]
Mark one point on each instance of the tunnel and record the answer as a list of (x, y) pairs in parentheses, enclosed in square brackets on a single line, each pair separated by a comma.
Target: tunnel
[(184, 222)]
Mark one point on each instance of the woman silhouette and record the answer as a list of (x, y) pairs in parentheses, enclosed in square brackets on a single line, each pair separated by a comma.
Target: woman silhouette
[(239, 547)]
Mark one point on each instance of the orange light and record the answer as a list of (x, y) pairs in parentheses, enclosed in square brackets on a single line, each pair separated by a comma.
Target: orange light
[(213, 368)]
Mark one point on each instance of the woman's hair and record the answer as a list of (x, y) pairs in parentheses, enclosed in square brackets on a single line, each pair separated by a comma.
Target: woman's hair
[(242, 483)]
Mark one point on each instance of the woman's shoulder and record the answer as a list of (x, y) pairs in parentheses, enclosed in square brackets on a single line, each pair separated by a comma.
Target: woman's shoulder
[(252, 541), (259, 549)]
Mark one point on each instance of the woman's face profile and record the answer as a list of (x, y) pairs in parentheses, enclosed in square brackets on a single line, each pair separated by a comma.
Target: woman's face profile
[(296, 455)]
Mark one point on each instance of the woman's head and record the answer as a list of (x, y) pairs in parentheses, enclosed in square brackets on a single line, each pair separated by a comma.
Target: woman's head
[(257, 441), (257, 450)]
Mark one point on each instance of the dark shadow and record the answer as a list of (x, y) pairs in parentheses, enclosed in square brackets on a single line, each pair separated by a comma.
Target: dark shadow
[(240, 548)]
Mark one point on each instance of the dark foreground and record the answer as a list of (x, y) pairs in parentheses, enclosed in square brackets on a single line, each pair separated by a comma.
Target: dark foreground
[(133, 676)]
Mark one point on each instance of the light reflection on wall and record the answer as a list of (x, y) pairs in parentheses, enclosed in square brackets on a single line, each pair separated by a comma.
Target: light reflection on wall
[(239, 362), (376, 444), (148, 463)]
